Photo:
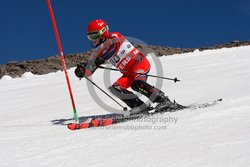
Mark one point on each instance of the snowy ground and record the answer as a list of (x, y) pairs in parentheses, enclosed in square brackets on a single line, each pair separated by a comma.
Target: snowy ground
[(34, 110)]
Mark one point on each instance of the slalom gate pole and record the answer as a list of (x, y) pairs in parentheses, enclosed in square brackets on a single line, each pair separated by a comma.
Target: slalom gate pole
[(173, 79), (62, 59), (124, 108)]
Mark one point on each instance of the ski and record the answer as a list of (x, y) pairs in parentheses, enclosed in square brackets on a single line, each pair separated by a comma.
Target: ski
[(93, 123), (99, 122)]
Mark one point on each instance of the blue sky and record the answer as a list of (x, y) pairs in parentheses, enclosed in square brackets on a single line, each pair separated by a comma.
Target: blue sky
[(26, 32)]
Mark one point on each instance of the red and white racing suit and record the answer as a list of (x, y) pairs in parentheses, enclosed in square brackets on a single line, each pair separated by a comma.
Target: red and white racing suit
[(125, 57)]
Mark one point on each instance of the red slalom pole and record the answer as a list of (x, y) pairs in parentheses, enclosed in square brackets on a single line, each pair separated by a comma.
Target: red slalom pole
[(62, 59)]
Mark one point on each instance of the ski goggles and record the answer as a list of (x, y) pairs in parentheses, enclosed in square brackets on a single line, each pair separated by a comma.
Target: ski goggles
[(96, 34)]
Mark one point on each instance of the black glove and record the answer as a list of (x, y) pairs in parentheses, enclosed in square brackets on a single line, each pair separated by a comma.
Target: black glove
[(80, 70)]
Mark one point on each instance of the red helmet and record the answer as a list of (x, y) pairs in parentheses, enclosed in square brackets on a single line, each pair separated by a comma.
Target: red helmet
[(97, 29)]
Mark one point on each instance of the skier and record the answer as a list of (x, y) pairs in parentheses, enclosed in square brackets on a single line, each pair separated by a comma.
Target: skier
[(115, 48)]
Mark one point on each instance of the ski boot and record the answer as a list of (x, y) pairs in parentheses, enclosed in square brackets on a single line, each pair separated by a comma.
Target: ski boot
[(164, 103)]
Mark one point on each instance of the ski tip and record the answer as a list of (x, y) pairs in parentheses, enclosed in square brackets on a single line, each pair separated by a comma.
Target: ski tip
[(72, 126)]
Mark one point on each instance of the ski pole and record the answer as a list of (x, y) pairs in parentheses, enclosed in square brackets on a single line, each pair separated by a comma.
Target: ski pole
[(124, 108), (113, 69)]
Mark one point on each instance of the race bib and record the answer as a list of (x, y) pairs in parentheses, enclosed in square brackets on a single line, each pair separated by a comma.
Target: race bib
[(124, 50)]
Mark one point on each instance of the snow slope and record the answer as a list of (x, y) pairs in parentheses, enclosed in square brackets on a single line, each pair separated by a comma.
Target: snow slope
[(34, 111)]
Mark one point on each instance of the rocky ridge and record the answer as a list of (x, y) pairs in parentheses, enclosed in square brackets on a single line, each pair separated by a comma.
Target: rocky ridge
[(53, 64)]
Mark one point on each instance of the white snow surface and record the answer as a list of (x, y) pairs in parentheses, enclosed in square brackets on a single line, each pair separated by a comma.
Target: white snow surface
[(217, 136)]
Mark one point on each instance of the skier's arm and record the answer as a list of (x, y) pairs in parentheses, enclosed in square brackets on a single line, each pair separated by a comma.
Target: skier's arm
[(93, 64), (87, 69), (111, 51)]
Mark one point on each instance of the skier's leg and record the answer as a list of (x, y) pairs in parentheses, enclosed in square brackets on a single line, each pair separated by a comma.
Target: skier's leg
[(155, 95), (126, 96), (119, 89), (139, 84)]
